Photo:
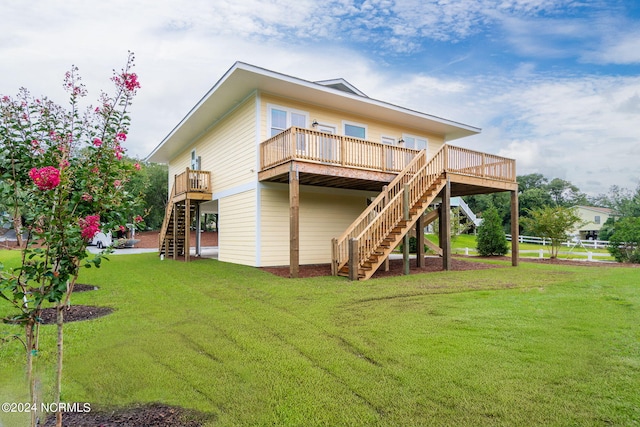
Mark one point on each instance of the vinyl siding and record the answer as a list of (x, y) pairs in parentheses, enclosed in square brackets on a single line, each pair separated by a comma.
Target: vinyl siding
[(324, 214), (375, 129), (228, 150), (237, 235)]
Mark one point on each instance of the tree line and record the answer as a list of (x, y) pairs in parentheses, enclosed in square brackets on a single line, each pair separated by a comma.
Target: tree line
[(545, 210)]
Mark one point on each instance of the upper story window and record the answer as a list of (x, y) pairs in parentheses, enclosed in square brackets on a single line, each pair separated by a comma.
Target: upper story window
[(355, 130), (282, 118), (596, 219), (415, 142)]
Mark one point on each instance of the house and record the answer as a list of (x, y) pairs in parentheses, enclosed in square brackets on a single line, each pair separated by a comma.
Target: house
[(592, 220), (303, 172)]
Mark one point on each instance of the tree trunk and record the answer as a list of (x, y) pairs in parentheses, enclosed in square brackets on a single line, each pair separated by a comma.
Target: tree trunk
[(17, 226), (60, 322), (30, 340)]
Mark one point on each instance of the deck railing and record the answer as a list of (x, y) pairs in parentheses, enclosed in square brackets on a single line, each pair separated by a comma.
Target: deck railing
[(477, 164), (387, 210), (319, 147), (192, 181)]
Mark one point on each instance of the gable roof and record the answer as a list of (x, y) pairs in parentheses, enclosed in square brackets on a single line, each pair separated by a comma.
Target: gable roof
[(243, 79), (343, 85)]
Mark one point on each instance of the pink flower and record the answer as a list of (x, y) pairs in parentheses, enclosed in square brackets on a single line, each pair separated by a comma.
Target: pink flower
[(90, 226), (119, 151), (138, 218), (87, 197), (130, 81), (137, 166), (117, 183), (46, 178), (97, 142), (35, 143), (64, 164), (121, 136)]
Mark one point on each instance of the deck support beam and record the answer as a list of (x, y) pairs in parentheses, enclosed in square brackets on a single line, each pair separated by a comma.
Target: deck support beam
[(445, 226), (294, 224), (515, 229), (420, 242), (187, 231), (198, 234), (405, 243)]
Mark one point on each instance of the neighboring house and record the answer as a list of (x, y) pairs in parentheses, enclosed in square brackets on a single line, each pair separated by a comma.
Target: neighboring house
[(303, 172), (592, 220)]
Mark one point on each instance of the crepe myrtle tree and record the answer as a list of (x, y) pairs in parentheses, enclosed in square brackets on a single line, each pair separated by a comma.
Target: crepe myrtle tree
[(62, 176)]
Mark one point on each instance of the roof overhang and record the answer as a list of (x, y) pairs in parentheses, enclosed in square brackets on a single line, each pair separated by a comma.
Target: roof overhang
[(243, 79)]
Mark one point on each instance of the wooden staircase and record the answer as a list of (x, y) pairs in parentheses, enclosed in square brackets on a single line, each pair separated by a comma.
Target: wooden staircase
[(189, 189), (370, 239)]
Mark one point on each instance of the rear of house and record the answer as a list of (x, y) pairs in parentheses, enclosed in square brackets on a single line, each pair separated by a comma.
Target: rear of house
[(288, 164)]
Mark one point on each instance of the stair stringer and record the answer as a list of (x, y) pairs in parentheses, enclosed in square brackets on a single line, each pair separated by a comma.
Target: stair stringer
[(369, 264), (373, 262)]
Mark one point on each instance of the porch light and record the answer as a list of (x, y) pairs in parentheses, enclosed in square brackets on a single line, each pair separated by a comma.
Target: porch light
[(315, 123), (401, 141)]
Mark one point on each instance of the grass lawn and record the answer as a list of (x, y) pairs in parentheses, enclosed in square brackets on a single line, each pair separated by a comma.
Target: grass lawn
[(534, 345), (459, 243)]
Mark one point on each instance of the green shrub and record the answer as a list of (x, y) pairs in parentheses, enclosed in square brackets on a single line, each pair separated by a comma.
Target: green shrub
[(624, 244), (491, 237)]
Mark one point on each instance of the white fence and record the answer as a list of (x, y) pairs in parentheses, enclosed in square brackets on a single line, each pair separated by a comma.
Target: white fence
[(593, 244)]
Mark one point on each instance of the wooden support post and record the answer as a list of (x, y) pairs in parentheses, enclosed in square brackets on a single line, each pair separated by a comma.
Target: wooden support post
[(420, 242), (445, 226), (187, 231), (198, 235), (385, 190), (175, 230), (405, 244), (353, 259), (515, 229), (294, 224)]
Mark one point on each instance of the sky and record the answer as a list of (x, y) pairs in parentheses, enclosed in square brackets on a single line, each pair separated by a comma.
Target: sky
[(554, 84)]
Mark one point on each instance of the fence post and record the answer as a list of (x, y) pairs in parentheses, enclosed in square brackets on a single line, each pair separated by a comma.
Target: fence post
[(540, 254)]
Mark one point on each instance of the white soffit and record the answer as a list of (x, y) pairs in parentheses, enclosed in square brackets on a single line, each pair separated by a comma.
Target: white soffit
[(243, 79)]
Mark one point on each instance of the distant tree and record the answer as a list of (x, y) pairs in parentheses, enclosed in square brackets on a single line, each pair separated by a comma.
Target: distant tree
[(155, 196), (624, 202), (491, 238), (531, 181), (555, 223), (624, 244), (564, 193)]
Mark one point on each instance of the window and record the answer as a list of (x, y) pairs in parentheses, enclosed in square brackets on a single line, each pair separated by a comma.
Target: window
[(388, 140), (281, 118), (596, 219), (355, 130), (415, 142)]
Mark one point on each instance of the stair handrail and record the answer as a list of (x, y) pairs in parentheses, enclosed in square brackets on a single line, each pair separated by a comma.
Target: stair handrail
[(393, 212), (167, 217), (340, 247)]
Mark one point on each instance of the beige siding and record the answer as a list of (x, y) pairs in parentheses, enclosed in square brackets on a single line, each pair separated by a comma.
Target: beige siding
[(324, 214), (237, 235), (228, 150), (375, 129)]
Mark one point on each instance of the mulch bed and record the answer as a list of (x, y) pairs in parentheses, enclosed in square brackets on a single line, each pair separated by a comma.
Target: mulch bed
[(153, 415), (74, 313), (432, 264), (395, 268)]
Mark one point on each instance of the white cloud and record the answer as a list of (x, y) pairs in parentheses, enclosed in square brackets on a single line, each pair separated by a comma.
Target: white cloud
[(575, 127)]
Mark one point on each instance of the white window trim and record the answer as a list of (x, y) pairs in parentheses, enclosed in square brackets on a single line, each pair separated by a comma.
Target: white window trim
[(289, 110), (393, 138), (362, 125)]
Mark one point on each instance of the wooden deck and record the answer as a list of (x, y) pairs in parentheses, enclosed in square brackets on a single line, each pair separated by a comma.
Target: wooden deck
[(336, 161), (408, 182)]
